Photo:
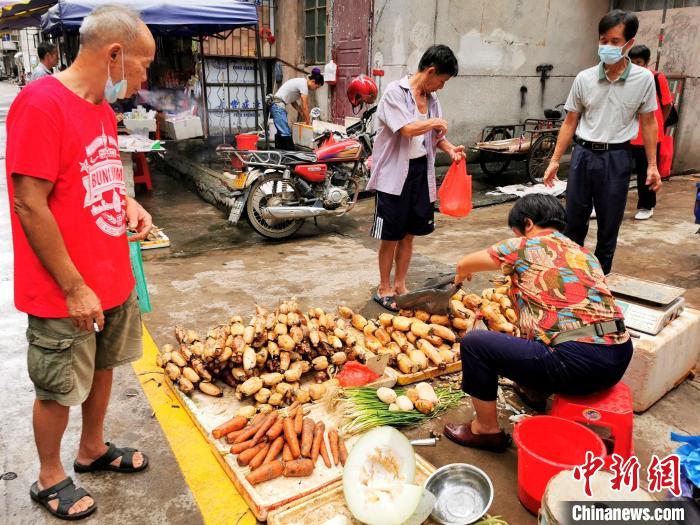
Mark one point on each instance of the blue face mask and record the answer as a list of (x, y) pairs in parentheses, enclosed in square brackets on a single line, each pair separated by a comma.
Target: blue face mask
[(115, 91), (610, 54)]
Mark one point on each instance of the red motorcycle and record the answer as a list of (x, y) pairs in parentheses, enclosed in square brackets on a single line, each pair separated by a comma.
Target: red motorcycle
[(283, 188)]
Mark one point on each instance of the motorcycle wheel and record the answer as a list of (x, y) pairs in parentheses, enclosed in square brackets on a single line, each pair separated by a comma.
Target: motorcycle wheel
[(272, 190)]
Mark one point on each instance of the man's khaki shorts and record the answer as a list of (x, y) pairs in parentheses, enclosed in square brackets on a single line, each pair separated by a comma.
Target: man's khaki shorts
[(62, 359)]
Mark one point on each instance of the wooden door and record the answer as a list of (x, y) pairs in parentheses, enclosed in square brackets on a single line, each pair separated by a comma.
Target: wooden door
[(352, 20)]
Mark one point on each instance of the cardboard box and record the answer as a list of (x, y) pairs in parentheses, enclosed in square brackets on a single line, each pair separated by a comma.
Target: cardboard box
[(183, 129), (303, 135), (142, 126)]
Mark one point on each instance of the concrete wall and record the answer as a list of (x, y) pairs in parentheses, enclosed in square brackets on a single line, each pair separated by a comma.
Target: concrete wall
[(499, 44), (679, 57), (289, 31)]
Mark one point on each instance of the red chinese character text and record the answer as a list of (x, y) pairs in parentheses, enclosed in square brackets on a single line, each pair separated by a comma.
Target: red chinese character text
[(664, 474), (625, 473), (587, 470)]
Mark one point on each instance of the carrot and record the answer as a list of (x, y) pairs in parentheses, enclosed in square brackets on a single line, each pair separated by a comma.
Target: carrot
[(269, 471), (275, 450), (257, 419), (324, 452), (229, 426), (333, 439), (248, 433), (343, 451), (259, 457), (247, 456), (275, 430), (264, 427), (299, 421), (291, 437), (298, 468), (237, 448), (318, 437), (307, 436), (231, 436), (286, 453), (292, 409)]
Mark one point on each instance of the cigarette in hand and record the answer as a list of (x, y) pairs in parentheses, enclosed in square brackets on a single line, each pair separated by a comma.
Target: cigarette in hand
[(94, 325)]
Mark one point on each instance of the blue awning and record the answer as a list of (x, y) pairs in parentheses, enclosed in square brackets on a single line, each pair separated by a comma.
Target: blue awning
[(23, 13), (171, 17)]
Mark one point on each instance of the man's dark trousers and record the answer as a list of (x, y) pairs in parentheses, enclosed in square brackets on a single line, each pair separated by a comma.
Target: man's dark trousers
[(600, 179), (647, 198)]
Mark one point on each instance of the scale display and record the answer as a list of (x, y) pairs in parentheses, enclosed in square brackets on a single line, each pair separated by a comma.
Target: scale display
[(646, 305), (648, 320)]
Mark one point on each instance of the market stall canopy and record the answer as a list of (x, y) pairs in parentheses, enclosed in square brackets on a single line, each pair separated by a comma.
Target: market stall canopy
[(19, 14), (171, 17)]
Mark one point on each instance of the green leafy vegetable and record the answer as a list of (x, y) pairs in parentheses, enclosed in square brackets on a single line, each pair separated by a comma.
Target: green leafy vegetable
[(362, 409)]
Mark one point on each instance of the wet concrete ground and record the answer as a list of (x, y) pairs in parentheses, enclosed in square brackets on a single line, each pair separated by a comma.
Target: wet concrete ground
[(214, 270)]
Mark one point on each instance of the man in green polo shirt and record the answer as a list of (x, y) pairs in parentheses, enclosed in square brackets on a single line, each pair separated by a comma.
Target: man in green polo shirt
[(606, 105)]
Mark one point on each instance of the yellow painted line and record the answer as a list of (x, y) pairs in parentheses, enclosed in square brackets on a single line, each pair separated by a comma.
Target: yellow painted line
[(217, 498)]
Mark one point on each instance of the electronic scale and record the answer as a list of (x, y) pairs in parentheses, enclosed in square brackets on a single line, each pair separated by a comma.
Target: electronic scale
[(647, 306)]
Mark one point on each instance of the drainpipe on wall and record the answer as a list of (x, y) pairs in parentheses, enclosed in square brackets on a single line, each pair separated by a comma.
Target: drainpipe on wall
[(662, 31)]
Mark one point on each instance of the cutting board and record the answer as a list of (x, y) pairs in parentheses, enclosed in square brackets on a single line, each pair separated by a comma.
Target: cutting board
[(428, 373), (328, 503)]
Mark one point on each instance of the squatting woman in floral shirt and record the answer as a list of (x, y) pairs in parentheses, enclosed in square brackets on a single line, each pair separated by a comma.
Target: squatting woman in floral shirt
[(573, 336)]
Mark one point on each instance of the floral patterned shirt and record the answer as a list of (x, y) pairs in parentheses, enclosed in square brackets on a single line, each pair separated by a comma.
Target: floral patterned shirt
[(557, 286)]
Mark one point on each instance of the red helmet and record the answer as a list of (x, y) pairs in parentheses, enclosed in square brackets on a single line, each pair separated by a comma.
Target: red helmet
[(362, 90)]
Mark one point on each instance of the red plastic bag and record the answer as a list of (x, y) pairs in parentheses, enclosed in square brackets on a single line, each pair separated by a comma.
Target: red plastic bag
[(455, 193), (355, 374), (665, 156)]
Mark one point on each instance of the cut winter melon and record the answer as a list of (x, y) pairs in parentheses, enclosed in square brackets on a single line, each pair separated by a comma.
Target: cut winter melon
[(378, 478)]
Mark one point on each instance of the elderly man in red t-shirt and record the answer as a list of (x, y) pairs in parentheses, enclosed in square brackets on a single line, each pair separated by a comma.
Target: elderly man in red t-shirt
[(72, 272)]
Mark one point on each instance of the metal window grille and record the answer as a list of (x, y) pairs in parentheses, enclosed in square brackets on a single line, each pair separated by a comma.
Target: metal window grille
[(649, 5), (315, 19)]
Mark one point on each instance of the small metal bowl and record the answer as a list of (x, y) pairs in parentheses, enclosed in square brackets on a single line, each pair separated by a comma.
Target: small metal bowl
[(463, 492)]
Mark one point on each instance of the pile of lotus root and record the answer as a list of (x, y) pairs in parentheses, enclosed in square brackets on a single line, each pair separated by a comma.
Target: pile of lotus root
[(495, 307), (266, 358)]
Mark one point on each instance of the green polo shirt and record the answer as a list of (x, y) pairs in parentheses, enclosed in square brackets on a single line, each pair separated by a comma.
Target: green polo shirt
[(610, 109)]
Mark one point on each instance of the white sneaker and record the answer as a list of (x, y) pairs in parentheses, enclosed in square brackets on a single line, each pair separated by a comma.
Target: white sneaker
[(643, 214), (593, 215)]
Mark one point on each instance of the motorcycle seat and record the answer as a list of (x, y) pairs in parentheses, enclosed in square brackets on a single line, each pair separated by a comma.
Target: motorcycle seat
[(298, 157)]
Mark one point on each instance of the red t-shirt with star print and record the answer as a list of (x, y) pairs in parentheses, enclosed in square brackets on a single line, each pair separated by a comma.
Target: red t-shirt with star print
[(56, 135)]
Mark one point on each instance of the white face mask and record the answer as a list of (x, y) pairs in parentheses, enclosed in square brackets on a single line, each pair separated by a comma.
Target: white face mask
[(116, 91), (610, 54)]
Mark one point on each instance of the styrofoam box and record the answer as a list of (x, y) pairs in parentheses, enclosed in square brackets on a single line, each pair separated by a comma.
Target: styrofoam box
[(349, 121), (303, 135), (183, 129), (661, 362), (135, 124)]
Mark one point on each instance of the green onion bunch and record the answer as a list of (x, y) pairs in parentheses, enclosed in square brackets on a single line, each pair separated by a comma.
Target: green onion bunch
[(363, 410)]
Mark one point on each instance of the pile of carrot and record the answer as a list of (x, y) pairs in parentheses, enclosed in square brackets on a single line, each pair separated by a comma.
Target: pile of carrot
[(272, 445)]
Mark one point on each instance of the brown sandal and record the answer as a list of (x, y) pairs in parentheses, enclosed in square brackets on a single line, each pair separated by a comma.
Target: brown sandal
[(463, 435)]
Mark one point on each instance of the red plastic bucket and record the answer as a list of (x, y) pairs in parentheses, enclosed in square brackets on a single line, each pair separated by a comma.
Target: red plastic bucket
[(247, 141), (546, 446), (244, 142)]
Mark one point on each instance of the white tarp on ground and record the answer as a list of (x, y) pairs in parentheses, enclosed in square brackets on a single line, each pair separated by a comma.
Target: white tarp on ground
[(521, 189)]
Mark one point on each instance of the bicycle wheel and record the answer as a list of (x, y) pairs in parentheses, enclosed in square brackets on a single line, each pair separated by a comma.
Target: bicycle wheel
[(494, 163), (540, 154)]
